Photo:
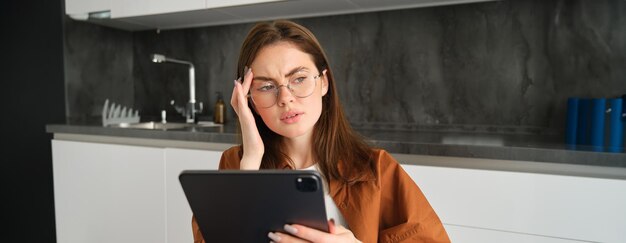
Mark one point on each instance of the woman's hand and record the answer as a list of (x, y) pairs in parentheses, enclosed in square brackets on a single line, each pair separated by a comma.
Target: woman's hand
[(253, 147), (299, 233)]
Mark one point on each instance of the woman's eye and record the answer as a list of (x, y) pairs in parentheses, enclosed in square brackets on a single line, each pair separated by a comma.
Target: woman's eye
[(298, 80), (266, 87)]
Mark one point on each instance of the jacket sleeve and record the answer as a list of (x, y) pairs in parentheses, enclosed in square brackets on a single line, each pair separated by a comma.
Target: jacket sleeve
[(229, 161), (197, 235), (406, 215)]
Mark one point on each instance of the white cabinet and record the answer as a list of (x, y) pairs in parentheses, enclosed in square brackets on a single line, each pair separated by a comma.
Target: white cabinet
[(471, 234), (166, 14), (123, 193), (486, 205), (230, 3), (178, 210), (77, 7), (126, 8), (108, 193), (133, 8)]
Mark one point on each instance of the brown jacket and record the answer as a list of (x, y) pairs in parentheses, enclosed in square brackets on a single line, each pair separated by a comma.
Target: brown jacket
[(391, 209)]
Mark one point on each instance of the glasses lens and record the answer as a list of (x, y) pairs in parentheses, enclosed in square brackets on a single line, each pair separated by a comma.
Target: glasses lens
[(264, 94), (302, 86)]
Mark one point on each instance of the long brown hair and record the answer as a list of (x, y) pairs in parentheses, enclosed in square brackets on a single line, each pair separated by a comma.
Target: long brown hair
[(334, 140)]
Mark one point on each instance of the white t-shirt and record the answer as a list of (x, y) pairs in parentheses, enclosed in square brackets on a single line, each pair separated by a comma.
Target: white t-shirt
[(331, 208)]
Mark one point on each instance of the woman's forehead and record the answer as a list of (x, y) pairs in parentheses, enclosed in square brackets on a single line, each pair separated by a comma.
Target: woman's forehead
[(281, 59)]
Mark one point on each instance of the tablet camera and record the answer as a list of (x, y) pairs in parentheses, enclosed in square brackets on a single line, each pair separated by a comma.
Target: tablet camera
[(306, 184)]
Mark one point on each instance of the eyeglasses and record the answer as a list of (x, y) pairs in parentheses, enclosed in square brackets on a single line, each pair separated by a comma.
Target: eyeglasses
[(264, 94)]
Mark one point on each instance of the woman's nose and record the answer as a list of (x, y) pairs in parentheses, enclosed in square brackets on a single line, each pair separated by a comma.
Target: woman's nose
[(284, 96)]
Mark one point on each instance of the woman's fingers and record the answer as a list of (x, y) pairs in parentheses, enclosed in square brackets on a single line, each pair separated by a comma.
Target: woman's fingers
[(247, 81), (306, 233), (252, 142), (239, 97), (238, 92), (300, 233), (336, 229), (332, 227), (285, 238), (242, 101), (233, 97)]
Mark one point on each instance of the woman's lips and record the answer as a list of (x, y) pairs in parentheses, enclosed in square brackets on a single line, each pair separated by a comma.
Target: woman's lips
[(291, 116)]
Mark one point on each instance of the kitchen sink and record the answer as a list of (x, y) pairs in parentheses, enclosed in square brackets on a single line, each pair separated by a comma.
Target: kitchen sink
[(163, 126)]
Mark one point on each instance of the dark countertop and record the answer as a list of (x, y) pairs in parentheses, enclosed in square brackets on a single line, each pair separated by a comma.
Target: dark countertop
[(499, 144)]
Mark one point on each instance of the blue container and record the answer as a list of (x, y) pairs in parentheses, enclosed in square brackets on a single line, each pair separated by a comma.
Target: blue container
[(572, 121), (598, 112), (582, 128), (616, 124)]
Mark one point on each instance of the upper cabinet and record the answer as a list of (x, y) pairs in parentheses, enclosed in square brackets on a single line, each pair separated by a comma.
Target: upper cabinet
[(79, 9), (230, 3), (126, 8), (166, 14)]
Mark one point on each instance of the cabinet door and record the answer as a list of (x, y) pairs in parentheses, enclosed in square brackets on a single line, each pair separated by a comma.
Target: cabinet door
[(86, 6), (128, 8), (566, 207), (108, 193), (462, 234), (178, 210), (231, 3)]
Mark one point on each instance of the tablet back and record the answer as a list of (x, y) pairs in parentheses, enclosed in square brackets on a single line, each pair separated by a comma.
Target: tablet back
[(244, 206)]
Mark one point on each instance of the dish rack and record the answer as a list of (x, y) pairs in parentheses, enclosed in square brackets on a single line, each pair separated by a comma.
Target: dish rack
[(116, 114)]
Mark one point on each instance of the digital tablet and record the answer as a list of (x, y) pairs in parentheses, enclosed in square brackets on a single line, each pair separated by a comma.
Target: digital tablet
[(244, 206)]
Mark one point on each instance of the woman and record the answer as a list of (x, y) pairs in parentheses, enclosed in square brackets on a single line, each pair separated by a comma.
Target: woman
[(290, 118)]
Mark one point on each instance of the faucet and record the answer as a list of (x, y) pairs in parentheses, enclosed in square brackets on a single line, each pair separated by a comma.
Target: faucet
[(190, 110)]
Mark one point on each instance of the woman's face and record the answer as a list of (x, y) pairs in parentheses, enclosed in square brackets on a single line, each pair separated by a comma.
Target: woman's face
[(278, 64)]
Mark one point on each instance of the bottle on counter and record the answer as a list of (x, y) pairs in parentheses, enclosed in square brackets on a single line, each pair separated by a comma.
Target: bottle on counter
[(219, 111)]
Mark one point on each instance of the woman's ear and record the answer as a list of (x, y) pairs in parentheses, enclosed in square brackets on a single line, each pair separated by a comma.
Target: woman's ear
[(324, 83)]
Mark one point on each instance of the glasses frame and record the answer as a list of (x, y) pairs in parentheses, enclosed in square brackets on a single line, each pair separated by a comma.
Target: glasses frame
[(278, 89)]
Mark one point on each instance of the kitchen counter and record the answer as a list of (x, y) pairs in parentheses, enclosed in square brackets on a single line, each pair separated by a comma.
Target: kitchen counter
[(477, 148)]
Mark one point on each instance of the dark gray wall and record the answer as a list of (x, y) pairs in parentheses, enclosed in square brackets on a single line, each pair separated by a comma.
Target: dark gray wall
[(501, 64), (98, 66)]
